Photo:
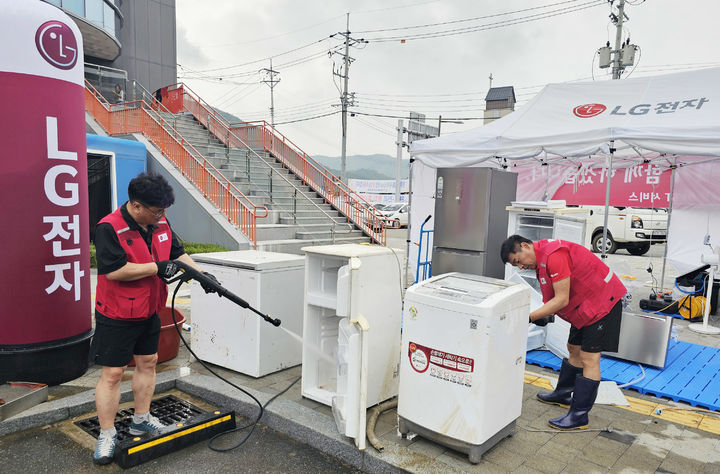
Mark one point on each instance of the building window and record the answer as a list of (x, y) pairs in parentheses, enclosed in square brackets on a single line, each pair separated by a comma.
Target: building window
[(109, 19), (94, 11), (75, 6)]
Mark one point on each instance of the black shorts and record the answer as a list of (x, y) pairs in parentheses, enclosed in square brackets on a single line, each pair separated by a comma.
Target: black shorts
[(116, 341), (602, 335)]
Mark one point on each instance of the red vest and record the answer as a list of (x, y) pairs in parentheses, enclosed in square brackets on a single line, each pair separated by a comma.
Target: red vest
[(594, 288), (141, 298)]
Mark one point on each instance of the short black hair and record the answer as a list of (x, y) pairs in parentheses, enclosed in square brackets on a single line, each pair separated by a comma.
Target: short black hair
[(151, 189), (512, 245)]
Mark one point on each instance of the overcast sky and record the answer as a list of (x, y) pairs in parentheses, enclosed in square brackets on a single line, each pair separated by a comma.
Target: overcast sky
[(222, 44)]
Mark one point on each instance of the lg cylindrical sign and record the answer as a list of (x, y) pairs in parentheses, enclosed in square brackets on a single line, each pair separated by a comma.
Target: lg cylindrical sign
[(45, 311)]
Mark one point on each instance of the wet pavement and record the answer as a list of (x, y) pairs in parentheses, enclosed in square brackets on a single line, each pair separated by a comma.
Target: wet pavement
[(55, 448), (299, 435)]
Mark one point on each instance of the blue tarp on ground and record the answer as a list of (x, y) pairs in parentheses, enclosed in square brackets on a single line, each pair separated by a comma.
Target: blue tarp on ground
[(691, 373)]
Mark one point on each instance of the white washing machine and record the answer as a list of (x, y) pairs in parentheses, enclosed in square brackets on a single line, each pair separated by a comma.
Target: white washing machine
[(463, 360)]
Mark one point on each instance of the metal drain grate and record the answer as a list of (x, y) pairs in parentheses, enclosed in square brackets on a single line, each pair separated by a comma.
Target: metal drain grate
[(185, 424), (170, 410)]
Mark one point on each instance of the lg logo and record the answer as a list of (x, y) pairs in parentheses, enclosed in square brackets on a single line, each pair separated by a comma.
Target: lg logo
[(589, 110), (57, 45)]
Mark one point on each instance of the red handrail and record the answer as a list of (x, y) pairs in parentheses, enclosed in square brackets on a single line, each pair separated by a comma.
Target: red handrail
[(139, 117), (262, 135)]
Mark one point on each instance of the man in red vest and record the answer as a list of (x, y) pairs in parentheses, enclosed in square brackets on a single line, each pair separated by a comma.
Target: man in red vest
[(135, 249), (577, 286)]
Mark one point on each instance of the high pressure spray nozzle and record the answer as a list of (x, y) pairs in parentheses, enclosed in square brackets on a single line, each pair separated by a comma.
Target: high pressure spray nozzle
[(189, 273)]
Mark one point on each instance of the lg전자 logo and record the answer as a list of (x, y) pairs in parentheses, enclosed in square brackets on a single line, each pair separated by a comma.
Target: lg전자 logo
[(57, 44), (588, 110)]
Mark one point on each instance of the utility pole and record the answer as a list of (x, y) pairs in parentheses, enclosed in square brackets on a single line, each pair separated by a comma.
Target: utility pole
[(272, 82), (617, 60), (398, 162), (343, 157), (347, 99), (623, 54)]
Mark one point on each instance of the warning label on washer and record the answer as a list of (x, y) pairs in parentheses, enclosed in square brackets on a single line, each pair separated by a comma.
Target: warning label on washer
[(443, 365)]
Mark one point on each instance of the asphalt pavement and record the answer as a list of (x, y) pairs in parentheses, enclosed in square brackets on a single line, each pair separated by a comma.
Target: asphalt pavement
[(300, 435), (55, 448)]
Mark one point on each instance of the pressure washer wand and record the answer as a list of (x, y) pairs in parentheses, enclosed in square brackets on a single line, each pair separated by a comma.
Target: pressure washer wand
[(189, 273)]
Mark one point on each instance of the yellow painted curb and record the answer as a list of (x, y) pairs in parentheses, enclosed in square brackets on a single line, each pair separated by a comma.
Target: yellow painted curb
[(662, 411)]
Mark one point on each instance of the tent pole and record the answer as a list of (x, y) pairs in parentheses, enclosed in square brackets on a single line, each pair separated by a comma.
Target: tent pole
[(546, 197), (667, 232), (609, 161), (409, 226)]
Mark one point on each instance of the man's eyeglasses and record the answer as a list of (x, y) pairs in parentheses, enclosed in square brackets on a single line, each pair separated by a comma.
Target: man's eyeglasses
[(155, 212)]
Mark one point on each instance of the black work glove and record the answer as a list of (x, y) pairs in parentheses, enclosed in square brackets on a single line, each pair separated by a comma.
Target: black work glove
[(209, 288), (167, 268), (544, 321)]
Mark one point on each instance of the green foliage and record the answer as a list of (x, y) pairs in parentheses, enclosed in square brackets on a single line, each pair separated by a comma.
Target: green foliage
[(190, 248), (197, 247), (93, 258)]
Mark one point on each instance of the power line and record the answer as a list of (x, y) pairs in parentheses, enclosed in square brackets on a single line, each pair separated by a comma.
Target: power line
[(395, 7), (402, 108), (381, 100), (265, 59), (296, 108), (259, 40), (309, 118), (407, 117), (291, 116), (228, 102), (294, 62), (489, 26), (427, 25), (372, 126)]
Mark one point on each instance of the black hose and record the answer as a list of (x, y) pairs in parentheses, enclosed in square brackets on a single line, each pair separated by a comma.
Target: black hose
[(251, 425)]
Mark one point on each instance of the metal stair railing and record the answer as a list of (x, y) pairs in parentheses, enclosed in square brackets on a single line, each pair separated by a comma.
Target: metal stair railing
[(139, 117), (230, 140), (297, 194), (261, 135)]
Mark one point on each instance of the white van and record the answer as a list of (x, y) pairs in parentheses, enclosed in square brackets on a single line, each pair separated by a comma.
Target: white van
[(631, 228)]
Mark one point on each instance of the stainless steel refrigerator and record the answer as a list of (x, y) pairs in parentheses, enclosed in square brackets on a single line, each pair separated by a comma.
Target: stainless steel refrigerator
[(471, 220)]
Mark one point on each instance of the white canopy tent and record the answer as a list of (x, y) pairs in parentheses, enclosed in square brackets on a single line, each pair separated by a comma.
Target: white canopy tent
[(671, 121)]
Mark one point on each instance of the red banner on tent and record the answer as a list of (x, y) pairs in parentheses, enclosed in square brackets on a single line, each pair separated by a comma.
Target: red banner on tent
[(643, 185)]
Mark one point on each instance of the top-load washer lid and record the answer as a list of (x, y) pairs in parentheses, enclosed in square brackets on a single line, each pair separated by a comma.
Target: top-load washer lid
[(469, 289)]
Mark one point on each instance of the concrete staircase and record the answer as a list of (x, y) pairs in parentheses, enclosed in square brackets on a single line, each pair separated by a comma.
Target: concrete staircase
[(297, 216)]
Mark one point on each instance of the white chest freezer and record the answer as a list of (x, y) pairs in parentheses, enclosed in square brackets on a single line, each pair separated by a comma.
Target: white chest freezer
[(238, 339), (463, 360)]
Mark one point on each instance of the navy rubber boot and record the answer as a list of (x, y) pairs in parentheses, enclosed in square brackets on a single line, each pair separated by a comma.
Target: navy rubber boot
[(562, 395), (582, 401)]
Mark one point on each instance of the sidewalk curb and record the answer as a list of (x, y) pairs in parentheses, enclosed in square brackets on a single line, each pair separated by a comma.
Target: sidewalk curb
[(296, 421), (293, 419), (75, 405)]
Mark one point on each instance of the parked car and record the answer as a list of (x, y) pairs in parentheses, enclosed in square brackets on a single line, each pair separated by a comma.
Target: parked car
[(393, 215), (632, 228), (396, 213)]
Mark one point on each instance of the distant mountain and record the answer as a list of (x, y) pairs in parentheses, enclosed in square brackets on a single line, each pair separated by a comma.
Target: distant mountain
[(228, 116), (365, 166)]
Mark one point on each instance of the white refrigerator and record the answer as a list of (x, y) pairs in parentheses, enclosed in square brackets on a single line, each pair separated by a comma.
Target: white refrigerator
[(351, 331)]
